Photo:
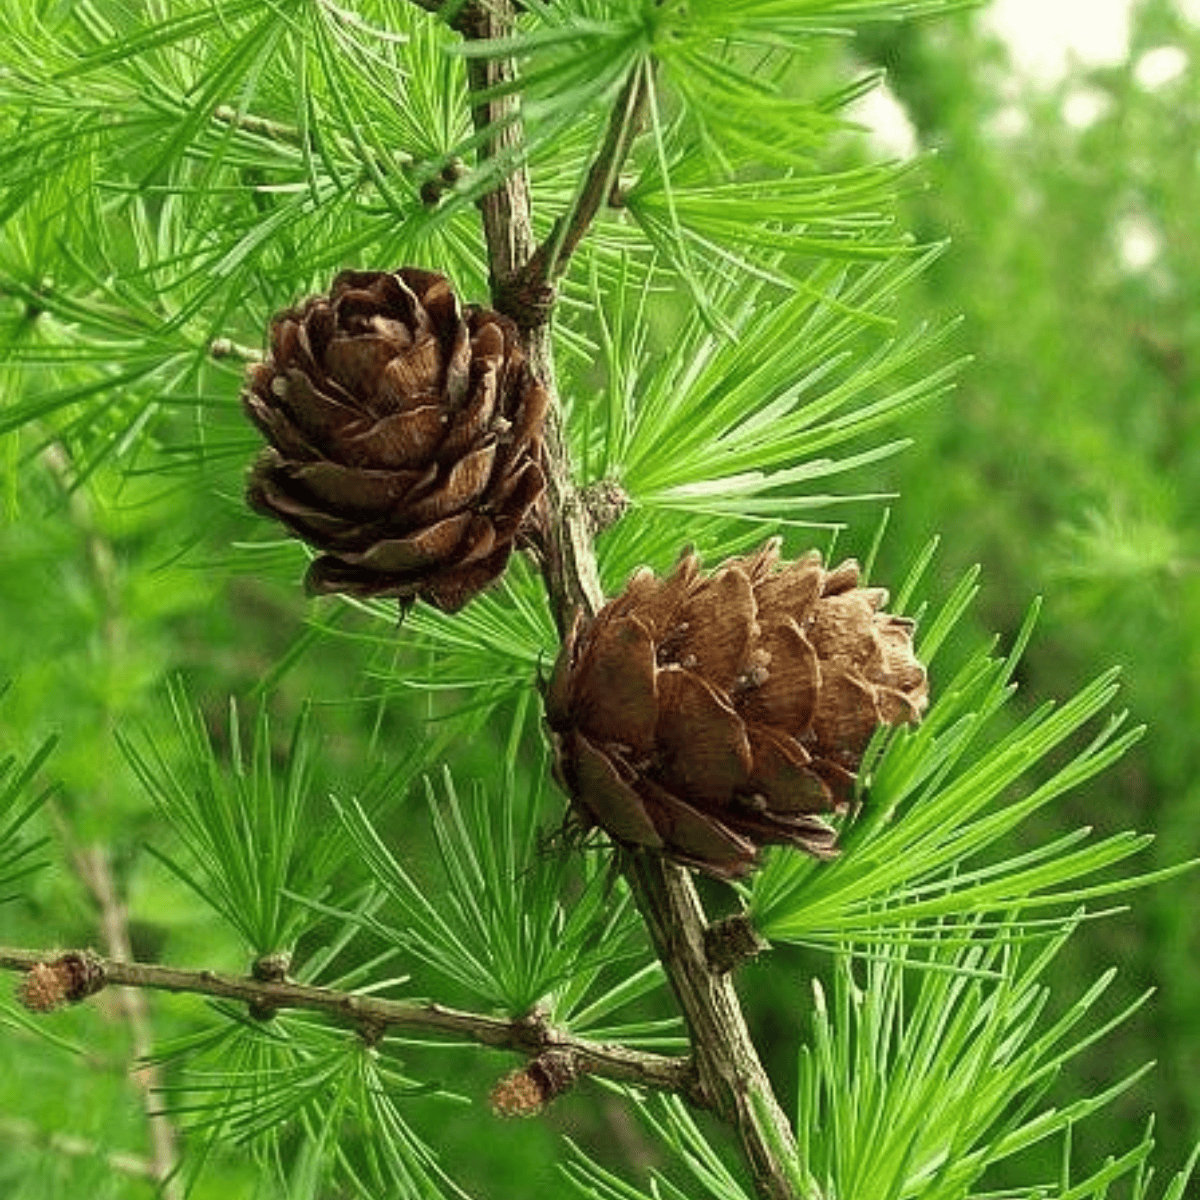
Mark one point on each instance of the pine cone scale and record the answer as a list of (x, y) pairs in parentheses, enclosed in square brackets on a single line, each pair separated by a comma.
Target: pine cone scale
[(526, 429), (465, 483), (354, 494), (411, 380), (400, 442), (694, 836), (702, 741), (793, 588), (315, 414), (782, 691), (480, 542), (288, 444), (515, 494), (781, 774), (849, 711), (620, 694), (721, 627), (407, 554), (609, 798), (309, 523), (475, 420)]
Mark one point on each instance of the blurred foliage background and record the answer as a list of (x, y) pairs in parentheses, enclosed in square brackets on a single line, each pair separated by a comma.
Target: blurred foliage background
[(1067, 463)]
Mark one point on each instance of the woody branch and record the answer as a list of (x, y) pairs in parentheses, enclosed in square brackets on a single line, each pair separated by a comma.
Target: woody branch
[(731, 1079), (71, 976)]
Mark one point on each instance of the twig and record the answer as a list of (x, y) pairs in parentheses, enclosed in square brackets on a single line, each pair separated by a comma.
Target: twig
[(731, 1079), (227, 348), (552, 256), (568, 563), (274, 131), (523, 273), (371, 1015), (92, 865), (16, 1129), (506, 210)]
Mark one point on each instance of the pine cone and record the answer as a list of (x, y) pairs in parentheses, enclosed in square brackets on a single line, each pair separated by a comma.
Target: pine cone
[(706, 716), (405, 437)]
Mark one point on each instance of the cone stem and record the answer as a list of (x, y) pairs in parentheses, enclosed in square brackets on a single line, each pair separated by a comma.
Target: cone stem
[(731, 1079)]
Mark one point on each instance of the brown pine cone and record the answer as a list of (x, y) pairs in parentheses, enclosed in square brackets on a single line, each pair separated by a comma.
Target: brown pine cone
[(707, 716), (405, 437)]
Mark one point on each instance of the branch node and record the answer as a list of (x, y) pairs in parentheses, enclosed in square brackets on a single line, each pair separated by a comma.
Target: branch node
[(532, 1032), (604, 502), (525, 296), (372, 1030), (268, 968), (436, 186), (272, 967), (732, 941), (258, 1010)]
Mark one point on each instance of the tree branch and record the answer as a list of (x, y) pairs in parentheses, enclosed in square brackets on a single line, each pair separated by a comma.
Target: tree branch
[(568, 563), (93, 866), (272, 131), (730, 1077), (18, 1130), (226, 348), (83, 973), (551, 258), (506, 210)]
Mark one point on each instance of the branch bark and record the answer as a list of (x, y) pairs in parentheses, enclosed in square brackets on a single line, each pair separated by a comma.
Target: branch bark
[(730, 1077), (507, 210), (551, 257), (568, 563), (93, 866), (372, 1016)]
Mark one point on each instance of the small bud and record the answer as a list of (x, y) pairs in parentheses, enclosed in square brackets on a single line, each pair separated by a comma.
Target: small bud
[(273, 967), (65, 980), (518, 1094), (43, 989), (605, 503), (731, 941), (527, 1090)]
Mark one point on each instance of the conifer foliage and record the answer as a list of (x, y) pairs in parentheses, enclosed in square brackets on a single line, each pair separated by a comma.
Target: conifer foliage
[(614, 290)]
